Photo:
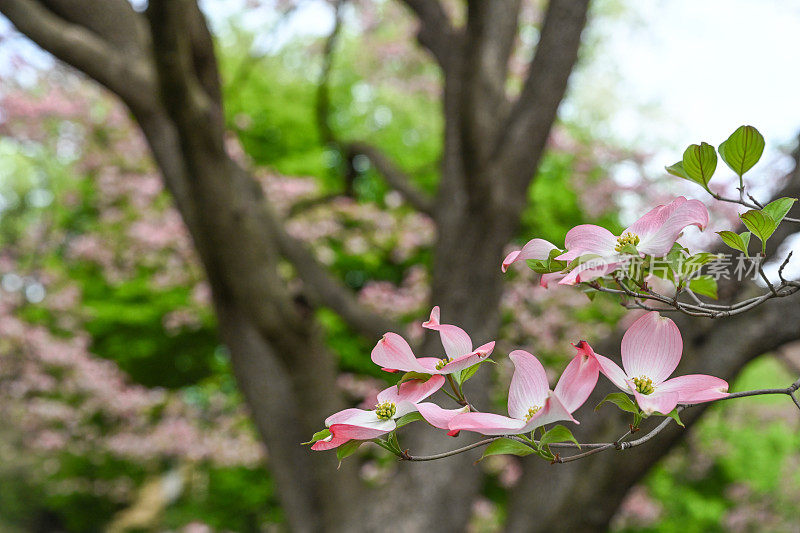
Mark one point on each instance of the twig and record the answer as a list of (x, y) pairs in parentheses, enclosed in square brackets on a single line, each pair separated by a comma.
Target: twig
[(619, 444)]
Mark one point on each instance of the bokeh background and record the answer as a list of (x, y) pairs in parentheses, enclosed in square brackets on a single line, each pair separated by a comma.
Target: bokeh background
[(118, 406)]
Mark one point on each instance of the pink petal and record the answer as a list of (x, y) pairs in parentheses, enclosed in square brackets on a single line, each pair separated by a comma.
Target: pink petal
[(696, 388), (661, 226), (529, 386), (588, 239), (609, 368), (392, 351), (662, 286), (353, 432), (352, 414), (429, 365), (652, 347), (554, 410), (412, 391), (438, 417), (456, 341), (657, 402), (545, 279), (486, 423), (332, 442), (534, 249), (590, 270), (466, 361), (579, 378)]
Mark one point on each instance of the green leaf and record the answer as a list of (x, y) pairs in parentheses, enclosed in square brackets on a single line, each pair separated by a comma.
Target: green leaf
[(760, 224), (736, 241), (674, 415), (319, 435), (507, 447), (347, 449), (408, 376), (467, 373), (677, 170), (558, 433), (621, 400), (704, 285), (699, 163), (742, 149), (408, 418), (778, 209)]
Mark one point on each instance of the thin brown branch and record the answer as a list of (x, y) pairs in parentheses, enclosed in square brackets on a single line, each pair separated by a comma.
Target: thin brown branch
[(620, 444), (395, 177), (324, 289)]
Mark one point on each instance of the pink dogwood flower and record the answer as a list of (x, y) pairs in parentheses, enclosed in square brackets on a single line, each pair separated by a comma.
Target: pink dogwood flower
[(651, 350), (653, 234), (534, 249), (393, 402), (538, 249), (393, 352), (531, 403)]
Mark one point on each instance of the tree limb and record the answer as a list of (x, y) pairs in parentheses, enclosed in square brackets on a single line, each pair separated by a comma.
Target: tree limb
[(124, 73), (392, 174), (524, 135), (436, 32)]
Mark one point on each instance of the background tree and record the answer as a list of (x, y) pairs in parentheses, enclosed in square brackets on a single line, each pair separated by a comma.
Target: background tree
[(163, 68)]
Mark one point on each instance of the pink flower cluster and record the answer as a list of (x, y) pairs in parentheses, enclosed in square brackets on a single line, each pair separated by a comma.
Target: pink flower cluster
[(651, 350), (593, 251)]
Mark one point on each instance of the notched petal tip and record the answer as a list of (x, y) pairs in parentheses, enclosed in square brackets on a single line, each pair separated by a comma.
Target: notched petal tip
[(433, 321)]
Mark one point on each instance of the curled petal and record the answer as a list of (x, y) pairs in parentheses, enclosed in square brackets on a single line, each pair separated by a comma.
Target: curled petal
[(352, 415), (455, 340), (460, 363), (392, 351), (588, 239), (661, 226), (413, 391), (591, 269), (545, 279), (696, 388), (657, 402), (652, 347), (529, 386), (353, 432), (438, 417), (486, 424), (329, 443), (534, 249), (579, 378)]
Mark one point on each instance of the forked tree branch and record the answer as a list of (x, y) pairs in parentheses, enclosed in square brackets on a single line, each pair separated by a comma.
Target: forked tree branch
[(124, 73), (524, 135), (394, 176), (436, 32)]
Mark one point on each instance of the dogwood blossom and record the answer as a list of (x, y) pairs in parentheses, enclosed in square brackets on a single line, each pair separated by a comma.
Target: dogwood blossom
[(531, 402), (651, 350)]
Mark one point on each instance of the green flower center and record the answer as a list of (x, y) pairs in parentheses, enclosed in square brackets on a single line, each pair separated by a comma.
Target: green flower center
[(441, 363), (385, 410), (644, 384), (626, 239), (532, 411)]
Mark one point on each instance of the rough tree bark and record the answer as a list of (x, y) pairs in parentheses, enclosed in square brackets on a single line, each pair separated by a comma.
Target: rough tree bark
[(162, 67)]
